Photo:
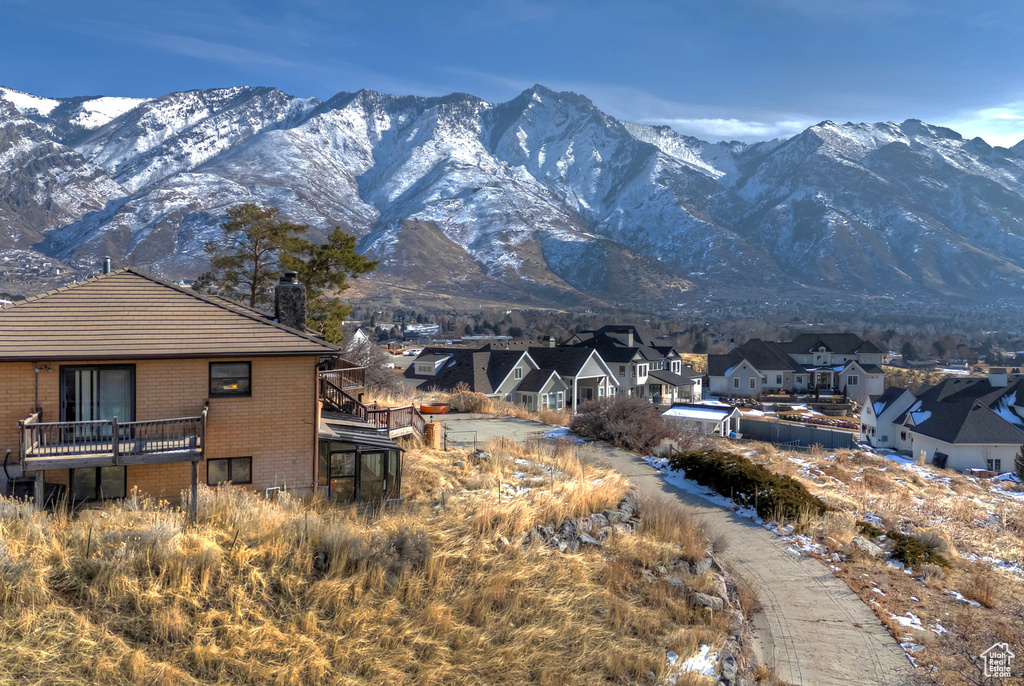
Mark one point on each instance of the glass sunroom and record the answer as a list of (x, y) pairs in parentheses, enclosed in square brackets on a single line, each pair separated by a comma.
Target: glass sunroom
[(357, 465)]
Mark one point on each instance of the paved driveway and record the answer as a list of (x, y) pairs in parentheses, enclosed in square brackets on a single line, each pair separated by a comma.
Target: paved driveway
[(814, 631)]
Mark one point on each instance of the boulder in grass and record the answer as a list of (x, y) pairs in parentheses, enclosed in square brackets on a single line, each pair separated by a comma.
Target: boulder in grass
[(865, 546)]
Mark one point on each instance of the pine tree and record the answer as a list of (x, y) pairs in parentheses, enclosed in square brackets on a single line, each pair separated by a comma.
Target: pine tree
[(258, 245), (244, 264), (1018, 463)]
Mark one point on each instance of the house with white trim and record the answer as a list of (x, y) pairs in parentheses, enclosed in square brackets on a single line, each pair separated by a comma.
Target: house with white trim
[(961, 423), (829, 363)]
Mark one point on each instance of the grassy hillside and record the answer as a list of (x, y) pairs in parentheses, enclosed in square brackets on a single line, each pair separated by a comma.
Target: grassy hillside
[(443, 590)]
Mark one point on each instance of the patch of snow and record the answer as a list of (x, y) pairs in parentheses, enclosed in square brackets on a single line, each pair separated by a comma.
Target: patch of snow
[(909, 620), (702, 663), (95, 113), (26, 103), (959, 596), (562, 433)]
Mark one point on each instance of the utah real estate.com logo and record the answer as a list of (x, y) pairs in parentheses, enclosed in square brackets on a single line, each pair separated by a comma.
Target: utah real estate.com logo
[(996, 660)]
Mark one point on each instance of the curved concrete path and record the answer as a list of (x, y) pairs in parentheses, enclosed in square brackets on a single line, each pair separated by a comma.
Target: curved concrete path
[(813, 630)]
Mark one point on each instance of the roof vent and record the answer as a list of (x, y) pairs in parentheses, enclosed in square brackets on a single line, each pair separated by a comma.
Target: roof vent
[(106, 265)]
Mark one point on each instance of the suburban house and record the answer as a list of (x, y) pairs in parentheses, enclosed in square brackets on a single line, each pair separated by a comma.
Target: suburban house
[(124, 381), (497, 372), (961, 423), (879, 415), (819, 362), (711, 419), (552, 377), (642, 368)]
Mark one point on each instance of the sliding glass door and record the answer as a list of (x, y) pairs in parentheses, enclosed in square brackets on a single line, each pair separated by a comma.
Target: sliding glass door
[(102, 392), (97, 393)]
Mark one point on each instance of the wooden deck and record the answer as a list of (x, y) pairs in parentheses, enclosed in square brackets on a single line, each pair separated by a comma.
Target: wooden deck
[(103, 443)]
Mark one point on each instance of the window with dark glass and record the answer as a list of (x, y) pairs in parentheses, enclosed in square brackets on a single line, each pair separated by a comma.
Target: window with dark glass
[(237, 470), (98, 483), (230, 379)]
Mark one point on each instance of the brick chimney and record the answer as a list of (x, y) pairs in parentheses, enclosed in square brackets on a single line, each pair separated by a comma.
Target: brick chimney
[(290, 301)]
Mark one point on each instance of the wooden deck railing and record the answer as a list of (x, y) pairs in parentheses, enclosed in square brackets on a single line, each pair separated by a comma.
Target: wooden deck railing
[(387, 418), (111, 437), (354, 377)]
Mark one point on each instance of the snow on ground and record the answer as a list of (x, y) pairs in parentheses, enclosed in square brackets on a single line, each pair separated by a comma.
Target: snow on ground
[(909, 620), (1005, 565), (703, 662), (801, 543), (959, 596), (562, 433)]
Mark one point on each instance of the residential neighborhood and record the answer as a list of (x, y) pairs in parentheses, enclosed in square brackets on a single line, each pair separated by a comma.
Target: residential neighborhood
[(590, 365)]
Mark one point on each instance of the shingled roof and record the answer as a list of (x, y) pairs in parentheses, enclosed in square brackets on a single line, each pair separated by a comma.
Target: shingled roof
[(130, 315), (840, 343), (764, 356)]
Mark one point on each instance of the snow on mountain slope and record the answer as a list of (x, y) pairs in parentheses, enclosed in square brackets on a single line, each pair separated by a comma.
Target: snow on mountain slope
[(548, 196), (96, 112), (26, 103), (43, 184)]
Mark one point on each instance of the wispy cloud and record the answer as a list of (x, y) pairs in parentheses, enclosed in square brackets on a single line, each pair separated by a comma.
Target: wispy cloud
[(718, 128), (998, 125)]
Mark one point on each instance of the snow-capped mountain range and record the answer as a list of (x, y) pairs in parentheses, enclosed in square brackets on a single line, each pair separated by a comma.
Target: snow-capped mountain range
[(541, 198)]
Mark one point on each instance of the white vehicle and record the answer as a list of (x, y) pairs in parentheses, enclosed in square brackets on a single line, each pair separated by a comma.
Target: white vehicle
[(413, 352)]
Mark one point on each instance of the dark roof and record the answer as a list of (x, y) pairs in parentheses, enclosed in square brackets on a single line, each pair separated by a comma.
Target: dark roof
[(565, 359), (482, 369), (129, 315), (638, 338), (342, 427), (969, 423), (535, 381), (611, 350), (431, 357), (672, 378), (841, 343), (762, 355), (718, 365), (968, 411), (869, 368), (891, 395)]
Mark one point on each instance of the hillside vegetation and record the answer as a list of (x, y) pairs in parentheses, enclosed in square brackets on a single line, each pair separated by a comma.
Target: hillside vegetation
[(448, 589)]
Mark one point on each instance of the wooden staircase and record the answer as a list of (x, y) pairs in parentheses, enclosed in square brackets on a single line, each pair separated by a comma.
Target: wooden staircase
[(335, 386)]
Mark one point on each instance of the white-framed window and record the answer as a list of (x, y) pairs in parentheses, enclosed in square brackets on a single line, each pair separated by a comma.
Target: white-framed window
[(799, 378), (753, 382), (778, 379), (561, 400), (600, 391), (676, 366), (853, 381), (994, 465), (622, 370), (517, 373), (736, 383)]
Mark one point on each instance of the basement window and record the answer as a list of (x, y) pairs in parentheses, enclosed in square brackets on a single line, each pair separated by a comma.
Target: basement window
[(237, 470), (994, 465), (231, 379)]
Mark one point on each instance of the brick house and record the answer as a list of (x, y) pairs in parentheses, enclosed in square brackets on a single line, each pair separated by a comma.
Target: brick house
[(124, 381)]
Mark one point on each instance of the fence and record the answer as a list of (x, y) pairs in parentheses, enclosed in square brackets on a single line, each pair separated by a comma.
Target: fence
[(795, 435)]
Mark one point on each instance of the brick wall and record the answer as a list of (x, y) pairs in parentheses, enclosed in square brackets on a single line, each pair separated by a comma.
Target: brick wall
[(276, 427)]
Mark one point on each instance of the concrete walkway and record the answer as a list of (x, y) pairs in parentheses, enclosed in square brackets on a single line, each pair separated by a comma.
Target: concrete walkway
[(813, 631)]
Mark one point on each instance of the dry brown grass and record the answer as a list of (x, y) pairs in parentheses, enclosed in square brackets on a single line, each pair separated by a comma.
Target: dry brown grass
[(464, 400), (289, 592), (963, 518)]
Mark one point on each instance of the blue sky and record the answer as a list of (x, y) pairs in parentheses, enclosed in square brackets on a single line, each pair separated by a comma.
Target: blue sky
[(746, 69)]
